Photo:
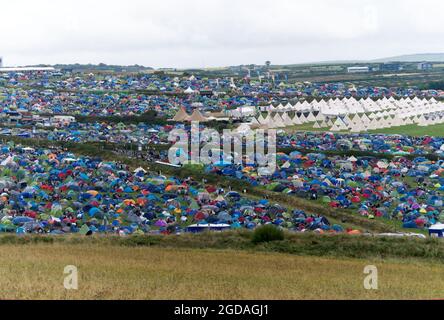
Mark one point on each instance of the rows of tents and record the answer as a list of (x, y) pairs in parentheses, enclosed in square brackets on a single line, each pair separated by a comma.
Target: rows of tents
[(52, 191), (353, 115), (195, 84), (147, 135), (95, 132), (377, 143), (128, 95), (410, 191)]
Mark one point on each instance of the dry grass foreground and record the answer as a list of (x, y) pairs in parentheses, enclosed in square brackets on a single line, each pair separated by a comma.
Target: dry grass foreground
[(114, 272)]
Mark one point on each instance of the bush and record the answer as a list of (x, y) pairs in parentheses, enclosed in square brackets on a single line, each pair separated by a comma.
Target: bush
[(267, 233)]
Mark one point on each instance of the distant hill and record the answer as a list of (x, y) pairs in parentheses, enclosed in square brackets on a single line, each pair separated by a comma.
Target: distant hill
[(102, 67), (429, 57), (326, 62)]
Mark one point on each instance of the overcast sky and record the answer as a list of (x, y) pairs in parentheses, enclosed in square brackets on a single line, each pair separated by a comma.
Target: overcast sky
[(206, 33)]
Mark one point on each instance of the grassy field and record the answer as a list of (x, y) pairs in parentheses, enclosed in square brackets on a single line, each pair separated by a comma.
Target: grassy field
[(436, 130), (221, 266), (414, 130), (114, 272)]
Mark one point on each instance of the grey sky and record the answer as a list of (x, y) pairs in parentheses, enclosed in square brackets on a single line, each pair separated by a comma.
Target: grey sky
[(205, 33)]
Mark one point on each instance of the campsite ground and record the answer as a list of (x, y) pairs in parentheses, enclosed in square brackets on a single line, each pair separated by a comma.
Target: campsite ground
[(344, 217), (113, 272), (225, 266)]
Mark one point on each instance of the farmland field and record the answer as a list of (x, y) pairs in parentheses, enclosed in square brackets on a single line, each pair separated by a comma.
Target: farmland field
[(220, 266), (113, 272)]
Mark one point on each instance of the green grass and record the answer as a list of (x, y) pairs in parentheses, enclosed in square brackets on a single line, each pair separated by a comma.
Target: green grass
[(414, 130), (302, 244), (304, 127), (267, 233)]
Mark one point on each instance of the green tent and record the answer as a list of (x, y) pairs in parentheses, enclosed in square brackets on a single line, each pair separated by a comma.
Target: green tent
[(84, 230)]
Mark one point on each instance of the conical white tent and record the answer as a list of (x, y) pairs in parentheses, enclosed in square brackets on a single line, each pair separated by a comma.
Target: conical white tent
[(197, 116), (277, 121), (324, 124), (311, 117), (254, 121), (303, 118), (286, 120), (269, 119), (296, 120), (261, 119), (181, 115), (189, 90), (320, 117), (343, 126)]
